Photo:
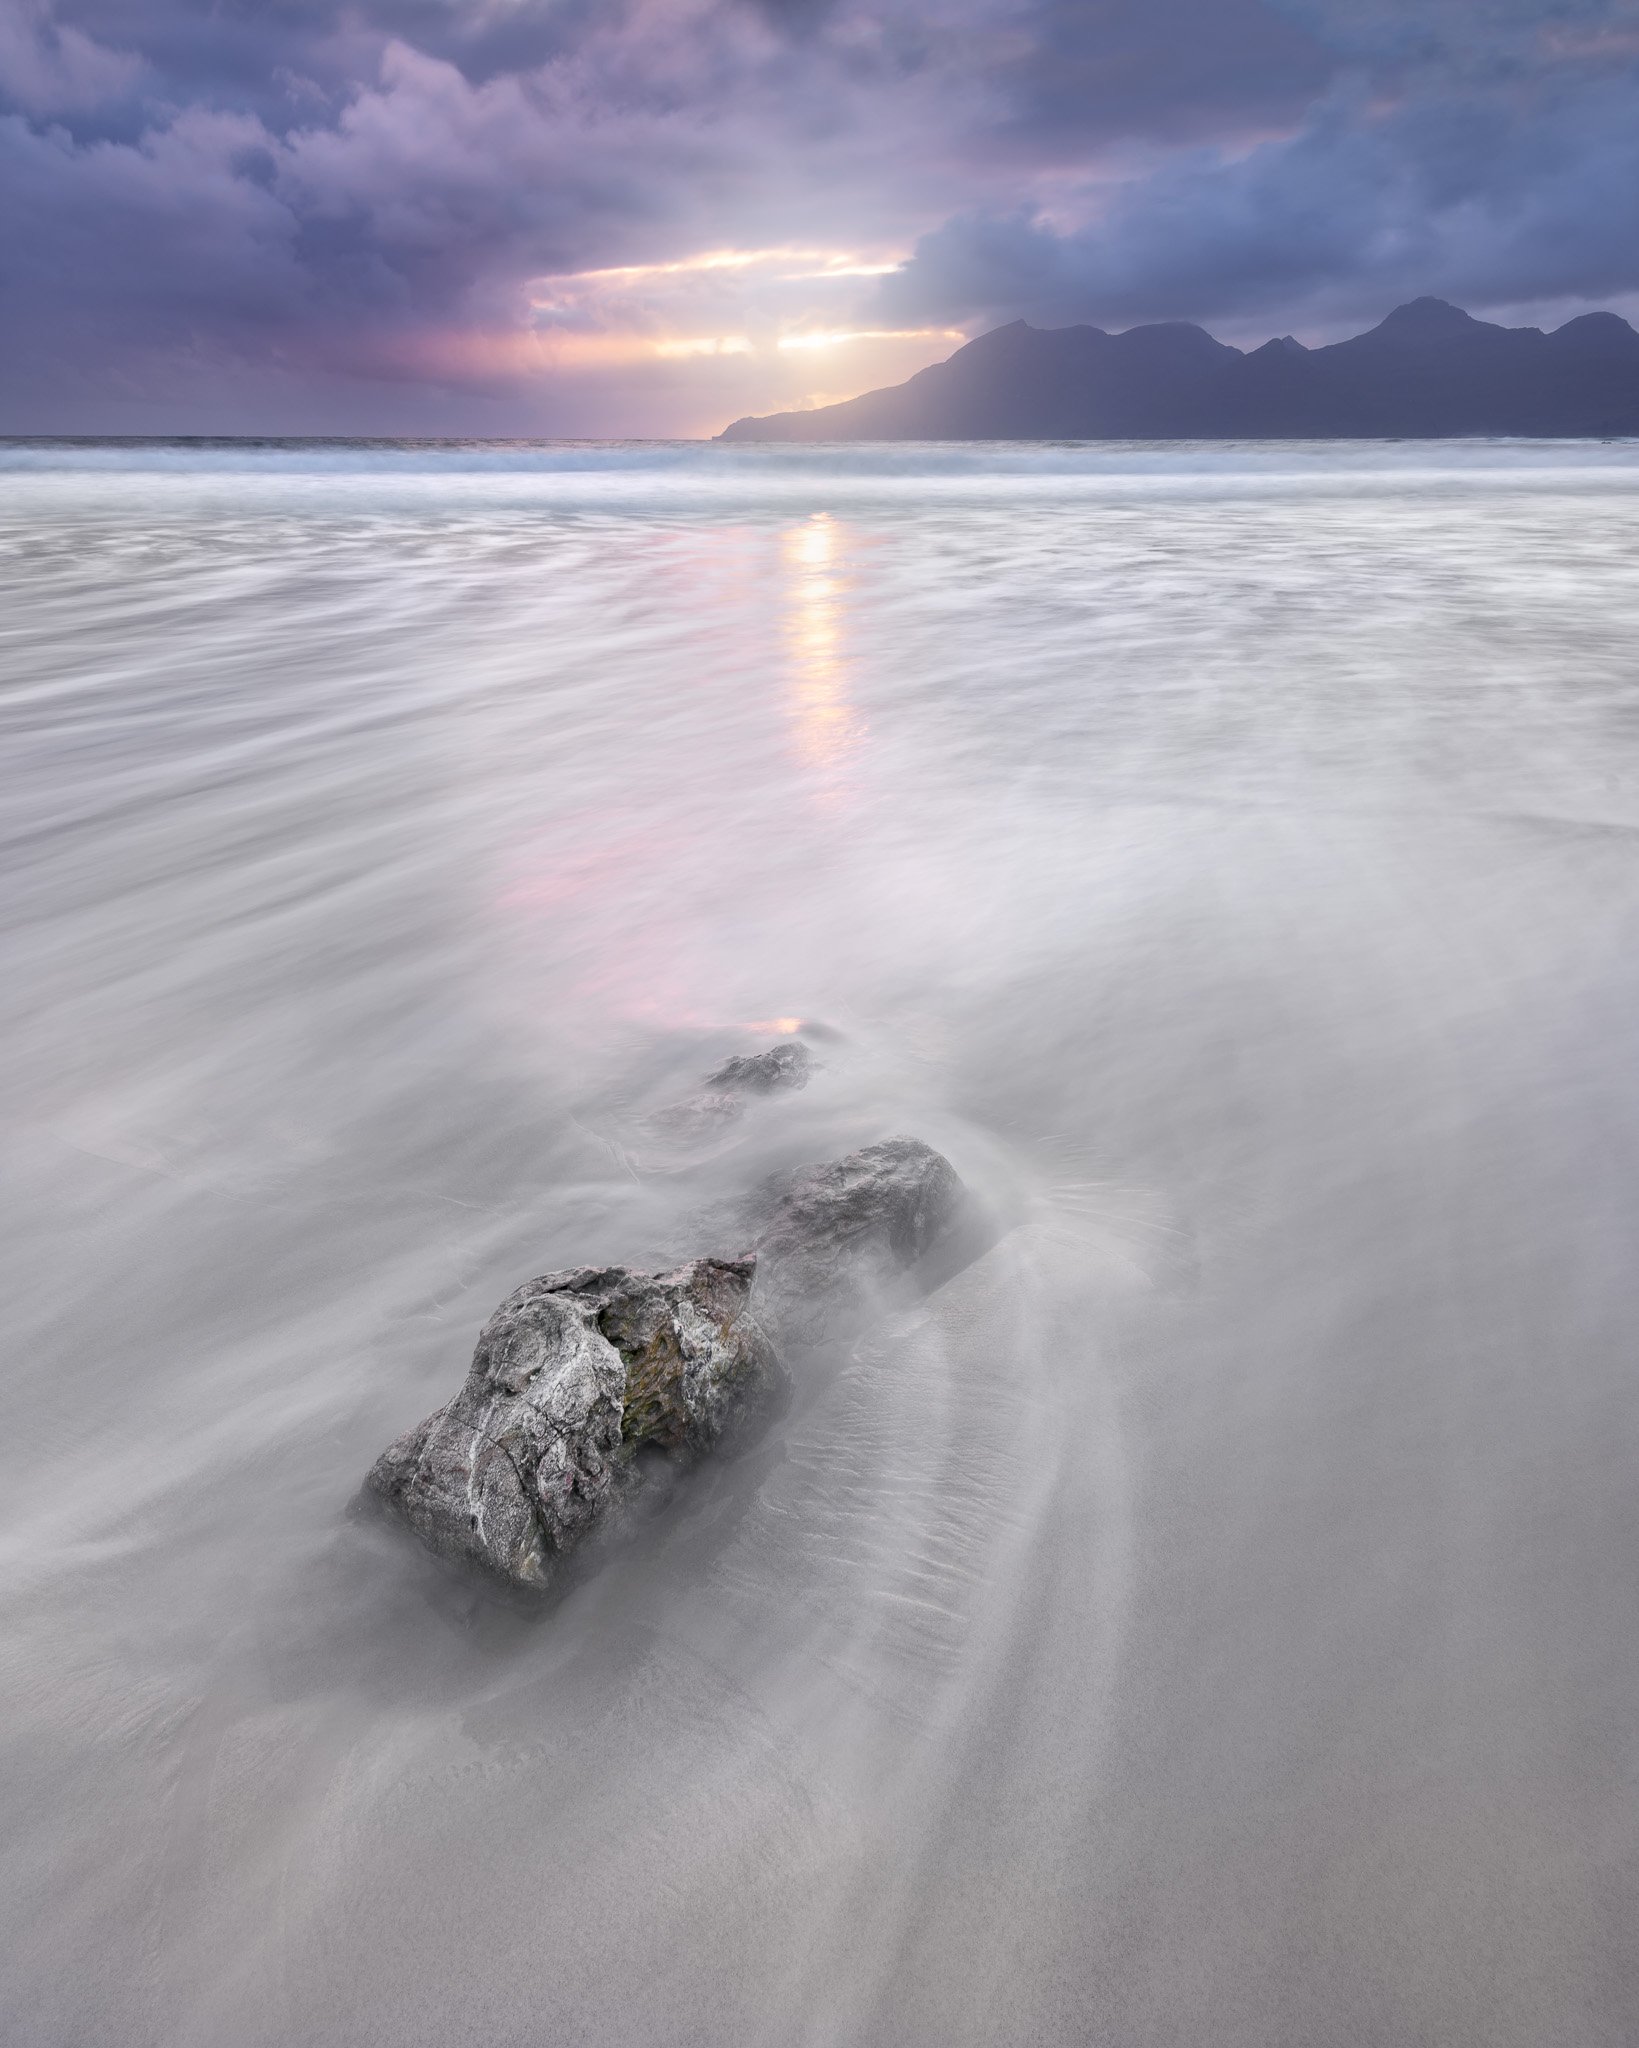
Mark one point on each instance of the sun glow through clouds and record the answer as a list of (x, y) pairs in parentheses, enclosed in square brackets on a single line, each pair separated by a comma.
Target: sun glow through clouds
[(772, 304), (705, 345), (838, 338), (826, 262)]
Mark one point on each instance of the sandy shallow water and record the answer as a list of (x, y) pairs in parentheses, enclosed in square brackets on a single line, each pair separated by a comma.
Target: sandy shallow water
[(1210, 1619)]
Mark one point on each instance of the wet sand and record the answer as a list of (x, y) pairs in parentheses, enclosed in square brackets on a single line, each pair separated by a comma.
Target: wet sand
[(1209, 1619)]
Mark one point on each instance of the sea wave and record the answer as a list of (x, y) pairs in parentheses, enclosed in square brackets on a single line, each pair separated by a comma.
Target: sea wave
[(893, 460), (685, 481)]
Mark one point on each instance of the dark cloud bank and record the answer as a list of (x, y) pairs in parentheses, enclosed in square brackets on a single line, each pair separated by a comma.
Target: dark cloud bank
[(220, 214)]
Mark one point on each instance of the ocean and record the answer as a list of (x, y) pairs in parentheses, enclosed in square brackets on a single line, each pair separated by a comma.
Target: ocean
[(1209, 1619)]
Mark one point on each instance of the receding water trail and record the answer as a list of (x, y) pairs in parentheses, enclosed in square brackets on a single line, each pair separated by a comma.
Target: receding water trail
[(1209, 1619)]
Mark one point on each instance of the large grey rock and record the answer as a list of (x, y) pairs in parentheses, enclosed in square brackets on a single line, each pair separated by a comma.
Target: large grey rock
[(573, 1375), (851, 1236), (578, 1372)]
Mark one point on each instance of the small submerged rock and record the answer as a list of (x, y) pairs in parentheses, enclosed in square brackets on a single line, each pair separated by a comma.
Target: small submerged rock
[(573, 1376), (579, 1372), (762, 1073), (721, 1101)]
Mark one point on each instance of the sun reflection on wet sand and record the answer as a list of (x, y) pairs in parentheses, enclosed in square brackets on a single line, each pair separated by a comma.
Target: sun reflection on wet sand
[(828, 726)]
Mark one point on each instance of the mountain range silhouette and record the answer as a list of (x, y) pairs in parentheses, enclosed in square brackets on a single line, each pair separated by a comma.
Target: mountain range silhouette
[(1429, 370)]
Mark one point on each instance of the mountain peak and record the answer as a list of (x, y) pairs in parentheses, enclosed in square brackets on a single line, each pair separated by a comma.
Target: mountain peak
[(995, 340), (1428, 316), (1605, 335), (1176, 342)]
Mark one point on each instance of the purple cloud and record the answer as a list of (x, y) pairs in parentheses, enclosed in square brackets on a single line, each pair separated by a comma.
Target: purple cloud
[(402, 214), (1513, 192)]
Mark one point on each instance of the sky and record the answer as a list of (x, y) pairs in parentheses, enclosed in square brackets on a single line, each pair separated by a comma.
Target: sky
[(646, 217)]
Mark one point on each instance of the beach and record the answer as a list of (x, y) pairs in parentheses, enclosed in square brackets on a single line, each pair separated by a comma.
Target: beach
[(1206, 1619)]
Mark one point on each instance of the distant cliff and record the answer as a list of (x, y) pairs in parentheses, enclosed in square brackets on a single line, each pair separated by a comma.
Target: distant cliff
[(1430, 370)]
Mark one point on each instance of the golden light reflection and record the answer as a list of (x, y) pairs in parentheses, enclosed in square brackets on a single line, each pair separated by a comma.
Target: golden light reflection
[(827, 724)]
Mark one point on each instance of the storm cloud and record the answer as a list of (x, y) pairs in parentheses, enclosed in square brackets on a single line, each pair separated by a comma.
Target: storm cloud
[(646, 215), (1507, 188)]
